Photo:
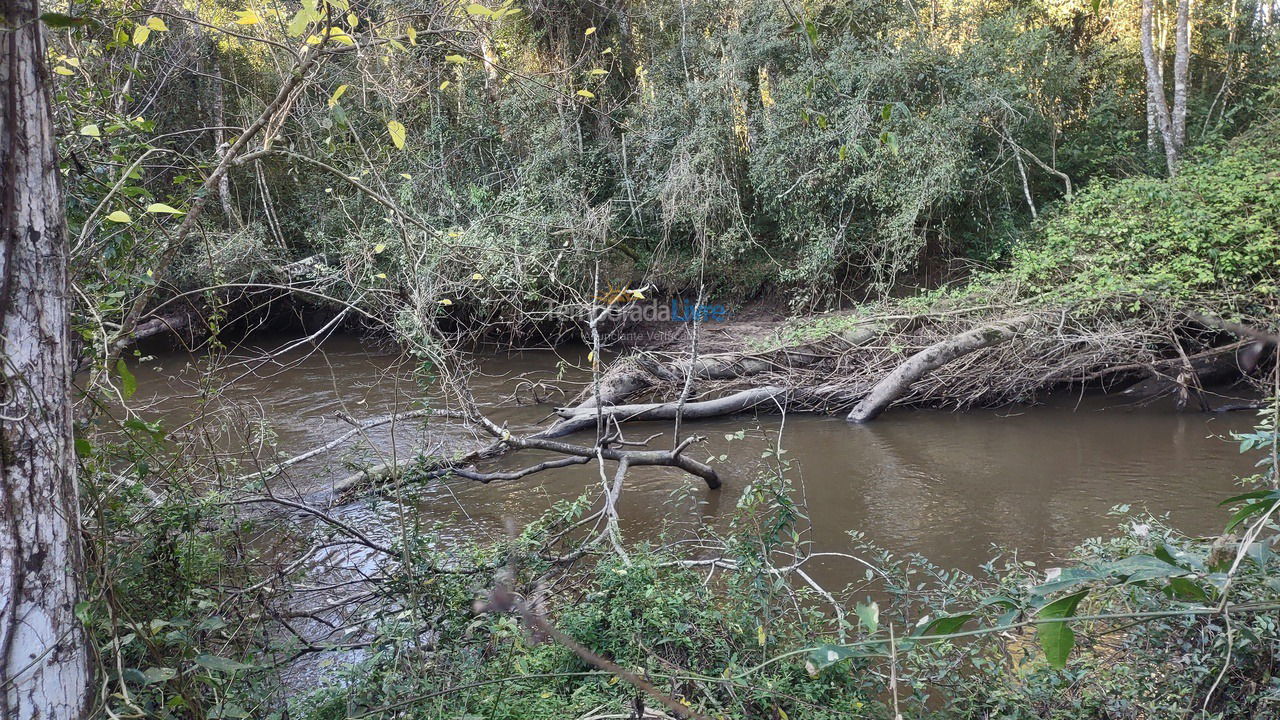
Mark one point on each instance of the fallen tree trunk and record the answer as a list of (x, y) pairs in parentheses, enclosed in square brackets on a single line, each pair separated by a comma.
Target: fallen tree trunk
[(1176, 374), (899, 382), (578, 418), (576, 454), (625, 379)]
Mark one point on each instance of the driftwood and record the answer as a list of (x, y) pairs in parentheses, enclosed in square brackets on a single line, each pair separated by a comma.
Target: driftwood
[(174, 324), (860, 371), (463, 466), (898, 383), (578, 418), (626, 379)]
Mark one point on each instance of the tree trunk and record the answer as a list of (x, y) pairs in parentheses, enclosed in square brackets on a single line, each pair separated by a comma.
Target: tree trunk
[(577, 419), (220, 143), (44, 660), (898, 383), (1181, 65), (1155, 88)]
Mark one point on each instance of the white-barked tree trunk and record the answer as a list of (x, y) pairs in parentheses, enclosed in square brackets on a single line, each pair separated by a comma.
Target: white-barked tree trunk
[(44, 659)]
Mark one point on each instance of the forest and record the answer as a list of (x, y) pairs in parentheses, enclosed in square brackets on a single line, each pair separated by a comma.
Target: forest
[(640, 359)]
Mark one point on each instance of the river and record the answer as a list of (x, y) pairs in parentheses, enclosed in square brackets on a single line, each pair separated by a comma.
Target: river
[(953, 487)]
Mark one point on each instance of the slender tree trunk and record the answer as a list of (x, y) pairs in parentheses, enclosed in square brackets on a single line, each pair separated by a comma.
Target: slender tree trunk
[(219, 120), (1155, 87), (44, 660), (1153, 127), (1181, 65)]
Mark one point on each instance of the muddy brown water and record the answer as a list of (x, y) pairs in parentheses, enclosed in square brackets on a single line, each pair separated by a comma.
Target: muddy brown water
[(951, 486)]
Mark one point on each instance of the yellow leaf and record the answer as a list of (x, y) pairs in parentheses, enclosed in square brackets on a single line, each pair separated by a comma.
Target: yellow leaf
[(156, 24), (598, 71), (73, 62), (90, 130), (381, 276), (62, 71), (301, 20), (352, 20), (140, 35), (590, 30), (406, 176), (446, 301), (586, 94), (151, 273), (783, 714), (379, 248), (458, 59), (333, 99), (613, 680), (119, 216), (247, 17), (477, 276), (162, 208), (397, 133), (444, 84), (478, 9), (545, 695), (606, 51), (637, 295), (413, 35), (591, 356), (760, 635)]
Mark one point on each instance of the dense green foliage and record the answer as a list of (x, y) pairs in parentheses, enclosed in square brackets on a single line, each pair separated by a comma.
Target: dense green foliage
[(1213, 230), (840, 149)]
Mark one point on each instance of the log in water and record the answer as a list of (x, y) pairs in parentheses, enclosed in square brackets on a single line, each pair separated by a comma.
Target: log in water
[(947, 485)]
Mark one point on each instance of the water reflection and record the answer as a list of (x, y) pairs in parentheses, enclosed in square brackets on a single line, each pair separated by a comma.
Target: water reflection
[(947, 485)]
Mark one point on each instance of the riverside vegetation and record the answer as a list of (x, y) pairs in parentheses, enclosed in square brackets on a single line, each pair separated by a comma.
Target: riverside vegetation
[(951, 204)]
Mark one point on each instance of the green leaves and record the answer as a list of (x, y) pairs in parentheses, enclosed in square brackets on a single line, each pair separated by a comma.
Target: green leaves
[(944, 625), (155, 675), (1260, 502), (59, 21), (868, 616), (221, 664), (889, 140), (824, 656), (128, 383), (301, 19), (1057, 638)]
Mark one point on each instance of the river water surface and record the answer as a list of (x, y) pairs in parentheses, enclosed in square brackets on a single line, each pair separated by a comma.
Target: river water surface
[(951, 486)]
